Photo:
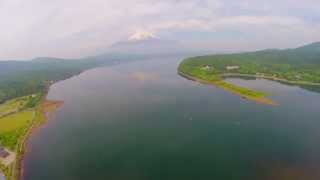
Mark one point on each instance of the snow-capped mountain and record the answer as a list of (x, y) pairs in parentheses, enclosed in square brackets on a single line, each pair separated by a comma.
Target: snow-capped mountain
[(145, 44), (141, 35)]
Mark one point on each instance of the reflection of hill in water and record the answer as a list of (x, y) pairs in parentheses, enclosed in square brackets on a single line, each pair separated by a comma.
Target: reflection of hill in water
[(141, 121), (311, 88)]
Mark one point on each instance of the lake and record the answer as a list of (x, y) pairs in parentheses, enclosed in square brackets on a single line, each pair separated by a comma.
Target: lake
[(142, 121)]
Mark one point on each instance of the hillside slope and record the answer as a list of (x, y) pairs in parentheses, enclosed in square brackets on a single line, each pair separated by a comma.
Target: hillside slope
[(20, 78)]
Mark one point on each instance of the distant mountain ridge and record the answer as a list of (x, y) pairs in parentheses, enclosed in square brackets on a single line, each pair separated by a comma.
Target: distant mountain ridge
[(306, 54), (18, 78), (146, 47), (313, 47)]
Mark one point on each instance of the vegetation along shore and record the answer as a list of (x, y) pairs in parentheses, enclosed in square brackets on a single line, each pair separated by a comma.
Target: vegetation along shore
[(18, 118), (23, 104)]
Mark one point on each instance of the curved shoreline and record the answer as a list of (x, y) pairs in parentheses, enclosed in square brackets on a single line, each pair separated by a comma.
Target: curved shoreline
[(16, 169), (43, 111), (47, 107), (259, 100)]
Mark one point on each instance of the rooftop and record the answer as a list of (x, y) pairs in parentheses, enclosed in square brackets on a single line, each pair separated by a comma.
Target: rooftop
[(3, 153)]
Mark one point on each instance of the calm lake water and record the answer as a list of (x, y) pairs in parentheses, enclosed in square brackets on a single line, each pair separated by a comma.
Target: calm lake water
[(142, 121)]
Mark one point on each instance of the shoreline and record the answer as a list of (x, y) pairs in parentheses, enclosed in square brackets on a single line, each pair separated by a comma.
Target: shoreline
[(44, 110), (258, 100), (42, 116), (16, 169)]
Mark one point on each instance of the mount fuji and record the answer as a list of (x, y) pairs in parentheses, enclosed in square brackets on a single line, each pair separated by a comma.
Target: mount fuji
[(145, 44)]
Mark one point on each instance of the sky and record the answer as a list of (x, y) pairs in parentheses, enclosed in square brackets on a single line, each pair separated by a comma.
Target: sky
[(77, 28)]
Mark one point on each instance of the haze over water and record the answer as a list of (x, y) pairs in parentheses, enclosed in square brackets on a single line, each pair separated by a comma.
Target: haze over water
[(142, 121)]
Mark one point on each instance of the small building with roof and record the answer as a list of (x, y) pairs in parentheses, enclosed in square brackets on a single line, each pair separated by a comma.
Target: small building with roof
[(206, 67), (3, 153)]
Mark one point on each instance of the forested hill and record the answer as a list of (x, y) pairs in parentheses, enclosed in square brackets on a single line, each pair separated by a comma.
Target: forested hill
[(300, 64), (19, 78), (308, 54)]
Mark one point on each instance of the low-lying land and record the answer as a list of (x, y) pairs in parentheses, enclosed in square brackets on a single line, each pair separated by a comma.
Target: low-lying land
[(300, 66), (253, 95)]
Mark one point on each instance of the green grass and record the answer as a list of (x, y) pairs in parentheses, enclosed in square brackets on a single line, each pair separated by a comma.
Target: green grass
[(18, 104), (241, 90), (16, 121), (15, 140), (16, 116), (12, 106), (14, 126)]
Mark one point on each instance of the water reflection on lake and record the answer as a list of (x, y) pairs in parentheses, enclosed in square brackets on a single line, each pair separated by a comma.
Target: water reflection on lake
[(143, 121)]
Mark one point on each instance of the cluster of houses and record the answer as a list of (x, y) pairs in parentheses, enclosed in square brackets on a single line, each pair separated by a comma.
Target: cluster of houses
[(229, 68), (3, 153)]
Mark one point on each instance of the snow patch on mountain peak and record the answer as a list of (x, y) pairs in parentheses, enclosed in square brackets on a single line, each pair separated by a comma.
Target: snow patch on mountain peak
[(142, 35)]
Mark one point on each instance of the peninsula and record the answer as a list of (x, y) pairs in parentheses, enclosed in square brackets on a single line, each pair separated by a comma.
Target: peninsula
[(299, 66)]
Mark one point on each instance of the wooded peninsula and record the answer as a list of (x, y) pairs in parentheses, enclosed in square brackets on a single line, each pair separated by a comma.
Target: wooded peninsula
[(298, 66)]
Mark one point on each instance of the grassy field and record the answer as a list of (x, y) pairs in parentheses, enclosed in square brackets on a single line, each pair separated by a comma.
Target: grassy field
[(253, 95), (242, 90), (16, 121), (16, 115), (13, 106), (27, 113)]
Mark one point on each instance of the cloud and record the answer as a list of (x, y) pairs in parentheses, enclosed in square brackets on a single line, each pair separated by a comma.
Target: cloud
[(76, 28)]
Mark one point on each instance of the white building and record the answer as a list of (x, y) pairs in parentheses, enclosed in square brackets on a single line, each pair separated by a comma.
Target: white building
[(232, 67), (207, 67)]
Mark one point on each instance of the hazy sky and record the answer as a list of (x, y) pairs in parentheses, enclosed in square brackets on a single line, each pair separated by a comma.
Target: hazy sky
[(76, 28)]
